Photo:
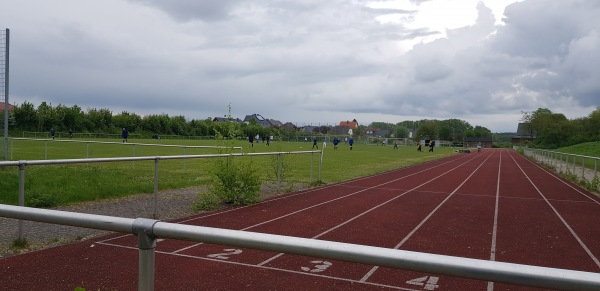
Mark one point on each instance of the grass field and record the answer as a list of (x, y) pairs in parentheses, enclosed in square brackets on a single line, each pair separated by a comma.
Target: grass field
[(63, 184)]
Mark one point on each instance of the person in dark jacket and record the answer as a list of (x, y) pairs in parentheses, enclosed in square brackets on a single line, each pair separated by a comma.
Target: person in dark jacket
[(124, 134)]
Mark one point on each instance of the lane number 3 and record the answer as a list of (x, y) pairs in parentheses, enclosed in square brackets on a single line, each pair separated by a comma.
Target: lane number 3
[(319, 266)]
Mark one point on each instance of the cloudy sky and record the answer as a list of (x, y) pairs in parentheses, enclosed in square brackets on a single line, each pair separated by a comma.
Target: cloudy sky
[(309, 61)]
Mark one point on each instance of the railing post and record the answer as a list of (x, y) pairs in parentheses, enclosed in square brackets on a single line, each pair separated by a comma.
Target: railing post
[(21, 194), (185, 159), (311, 166), (279, 171), (320, 165), (46, 151), (143, 229), (87, 150), (155, 215), (583, 167)]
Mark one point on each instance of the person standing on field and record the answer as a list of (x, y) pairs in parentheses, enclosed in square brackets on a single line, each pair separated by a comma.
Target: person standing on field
[(52, 132), (351, 142), (315, 143), (124, 135)]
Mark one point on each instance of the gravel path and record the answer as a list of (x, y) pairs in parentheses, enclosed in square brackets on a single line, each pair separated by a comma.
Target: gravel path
[(172, 204)]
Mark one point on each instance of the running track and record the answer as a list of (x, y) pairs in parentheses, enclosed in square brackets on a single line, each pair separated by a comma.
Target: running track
[(492, 205)]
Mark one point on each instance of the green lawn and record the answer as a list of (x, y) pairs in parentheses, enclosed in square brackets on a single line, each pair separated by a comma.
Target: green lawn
[(64, 184)]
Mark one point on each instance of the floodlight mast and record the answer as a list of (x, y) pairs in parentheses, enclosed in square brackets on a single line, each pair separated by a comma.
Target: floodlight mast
[(6, 46)]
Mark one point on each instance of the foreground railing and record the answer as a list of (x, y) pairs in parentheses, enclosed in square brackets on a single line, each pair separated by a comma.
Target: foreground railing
[(148, 230), (23, 164)]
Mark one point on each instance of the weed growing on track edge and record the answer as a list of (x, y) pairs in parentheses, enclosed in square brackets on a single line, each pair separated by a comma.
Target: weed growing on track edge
[(20, 243)]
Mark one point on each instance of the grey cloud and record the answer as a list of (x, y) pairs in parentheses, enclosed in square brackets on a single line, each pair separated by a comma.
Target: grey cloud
[(189, 10)]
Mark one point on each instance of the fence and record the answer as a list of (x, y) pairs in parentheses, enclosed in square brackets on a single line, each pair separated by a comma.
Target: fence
[(148, 230), (23, 164), (583, 167), (133, 145)]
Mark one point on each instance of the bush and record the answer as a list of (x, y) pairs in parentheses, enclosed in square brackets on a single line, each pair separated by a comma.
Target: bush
[(42, 201), (237, 179), (238, 182)]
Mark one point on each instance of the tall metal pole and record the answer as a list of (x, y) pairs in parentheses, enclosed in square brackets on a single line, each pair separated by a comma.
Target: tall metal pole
[(7, 37)]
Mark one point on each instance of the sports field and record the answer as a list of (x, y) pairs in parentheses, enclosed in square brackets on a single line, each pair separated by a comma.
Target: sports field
[(65, 184), (491, 205)]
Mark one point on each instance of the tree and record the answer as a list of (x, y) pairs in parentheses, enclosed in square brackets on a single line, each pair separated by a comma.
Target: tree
[(99, 120), (428, 129), (47, 117), (131, 121), (26, 117)]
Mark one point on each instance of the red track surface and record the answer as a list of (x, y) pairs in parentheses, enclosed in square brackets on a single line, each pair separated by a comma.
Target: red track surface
[(492, 205)]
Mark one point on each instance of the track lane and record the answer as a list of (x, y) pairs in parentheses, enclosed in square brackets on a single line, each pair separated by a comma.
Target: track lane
[(466, 206), (456, 227)]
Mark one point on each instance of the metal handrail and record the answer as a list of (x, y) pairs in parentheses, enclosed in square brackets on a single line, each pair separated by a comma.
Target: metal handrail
[(24, 163), (149, 230), (133, 144)]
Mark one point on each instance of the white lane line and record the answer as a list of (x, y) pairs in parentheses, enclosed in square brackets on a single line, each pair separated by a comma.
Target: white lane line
[(410, 234), (322, 203), (307, 191), (581, 243), (373, 208), (369, 210), (490, 285)]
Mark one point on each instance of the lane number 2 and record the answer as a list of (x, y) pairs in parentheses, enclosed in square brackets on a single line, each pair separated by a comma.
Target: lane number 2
[(226, 254), (428, 282), (319, 266)]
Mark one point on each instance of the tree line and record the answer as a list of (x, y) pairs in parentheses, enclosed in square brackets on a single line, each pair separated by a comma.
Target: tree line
[(61, 118), (554, 130), (551, 130)]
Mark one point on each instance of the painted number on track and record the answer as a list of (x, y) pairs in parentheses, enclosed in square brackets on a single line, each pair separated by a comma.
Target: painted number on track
[(226, 254), (428, 282), (319, 266)]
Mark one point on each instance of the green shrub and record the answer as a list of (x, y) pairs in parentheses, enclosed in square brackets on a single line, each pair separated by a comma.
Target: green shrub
[(20, 243), (238, 181), (42, 201)]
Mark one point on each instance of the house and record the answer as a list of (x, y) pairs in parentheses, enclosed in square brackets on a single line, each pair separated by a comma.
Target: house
[(339, 130), (377, 132), (351, 124), (275, 123), (289, 126), (224, 119), (471, 142), (310, 129), (259, 120), (524, 133), (10, 107)]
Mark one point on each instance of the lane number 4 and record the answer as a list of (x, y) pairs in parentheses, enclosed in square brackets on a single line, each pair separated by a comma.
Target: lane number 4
[(428, 282)]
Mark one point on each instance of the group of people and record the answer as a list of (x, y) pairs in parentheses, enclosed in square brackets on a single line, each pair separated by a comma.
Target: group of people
[(431, 144), (336, 142), (53, 133), (252, 138)]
